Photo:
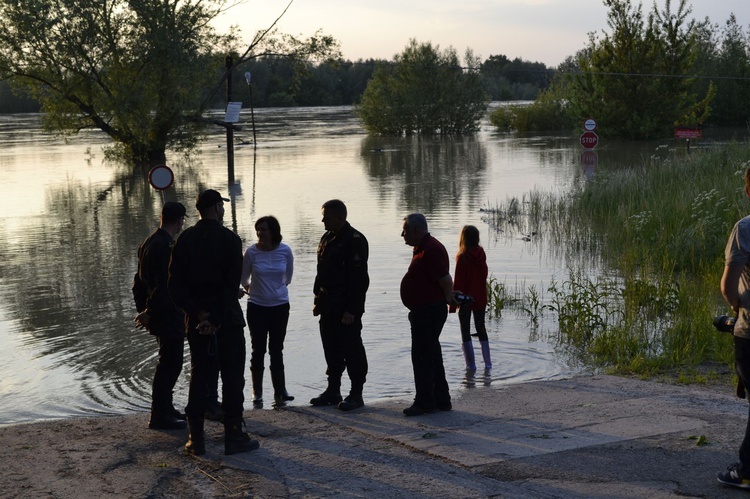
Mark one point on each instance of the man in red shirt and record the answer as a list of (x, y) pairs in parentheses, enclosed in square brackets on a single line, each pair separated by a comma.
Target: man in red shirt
[(426, 290)]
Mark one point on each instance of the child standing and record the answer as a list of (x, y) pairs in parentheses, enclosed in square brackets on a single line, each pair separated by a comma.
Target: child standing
[(471, 279)]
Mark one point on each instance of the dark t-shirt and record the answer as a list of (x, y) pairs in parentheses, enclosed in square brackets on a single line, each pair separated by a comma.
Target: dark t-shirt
[(428, 265)]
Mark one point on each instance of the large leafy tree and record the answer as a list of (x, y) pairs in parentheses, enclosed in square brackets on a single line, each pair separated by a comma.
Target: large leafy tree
[(140, 70), (634, 79), (424, 91)]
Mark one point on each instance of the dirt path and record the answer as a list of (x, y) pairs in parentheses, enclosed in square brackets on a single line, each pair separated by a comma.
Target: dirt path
[(597, 436)]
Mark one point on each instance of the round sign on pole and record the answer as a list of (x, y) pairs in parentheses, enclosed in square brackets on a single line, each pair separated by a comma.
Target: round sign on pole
[(589, 140), (589, 125), (161, 177)]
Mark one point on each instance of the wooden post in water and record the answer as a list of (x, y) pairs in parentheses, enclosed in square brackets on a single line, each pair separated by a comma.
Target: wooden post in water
[(230, 126)]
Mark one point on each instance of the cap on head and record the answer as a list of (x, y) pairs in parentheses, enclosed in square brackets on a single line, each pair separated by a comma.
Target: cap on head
[(173, 210), (208, 198)]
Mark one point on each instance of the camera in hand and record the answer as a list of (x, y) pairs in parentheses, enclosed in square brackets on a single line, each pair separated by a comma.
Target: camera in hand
[(724, 323), (463, 299)]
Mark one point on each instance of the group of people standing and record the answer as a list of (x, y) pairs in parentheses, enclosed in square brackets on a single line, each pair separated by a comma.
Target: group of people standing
[(188, 286)]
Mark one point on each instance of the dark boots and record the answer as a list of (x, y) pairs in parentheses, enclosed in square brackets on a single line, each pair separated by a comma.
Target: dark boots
[(280, 395), (331, 395), (165, 417), (236, 440), (257, 376), (354, 399), (196, 444)]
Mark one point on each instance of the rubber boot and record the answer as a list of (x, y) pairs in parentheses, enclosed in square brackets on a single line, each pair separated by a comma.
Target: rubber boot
[(468, 349), (196, 444), (486, 354), (257, 375), (236, 440), (331, 395), (280, 395), (354, 399)]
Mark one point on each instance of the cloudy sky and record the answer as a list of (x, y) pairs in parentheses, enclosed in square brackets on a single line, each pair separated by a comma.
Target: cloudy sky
[(536, 30)]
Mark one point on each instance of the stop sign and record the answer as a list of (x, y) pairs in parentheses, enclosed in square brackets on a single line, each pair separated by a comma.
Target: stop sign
[(589, 140)]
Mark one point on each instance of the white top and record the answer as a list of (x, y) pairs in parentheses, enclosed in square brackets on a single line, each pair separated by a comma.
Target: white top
[(268, 273)]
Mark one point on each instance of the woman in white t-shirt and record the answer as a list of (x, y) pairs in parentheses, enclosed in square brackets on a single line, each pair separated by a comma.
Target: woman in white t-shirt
[(267, 269)]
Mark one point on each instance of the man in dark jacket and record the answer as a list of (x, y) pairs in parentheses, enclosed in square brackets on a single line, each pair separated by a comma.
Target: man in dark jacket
[(204, 277), (340, 287), (160, 316)]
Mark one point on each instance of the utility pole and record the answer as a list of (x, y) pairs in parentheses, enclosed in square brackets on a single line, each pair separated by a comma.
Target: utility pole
[(230, 126)]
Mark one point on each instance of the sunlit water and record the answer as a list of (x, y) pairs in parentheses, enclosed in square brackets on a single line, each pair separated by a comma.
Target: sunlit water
[(71, 224)]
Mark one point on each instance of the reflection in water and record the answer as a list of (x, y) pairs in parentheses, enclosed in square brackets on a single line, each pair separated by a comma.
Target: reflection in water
[(72, 225), (430, 173)]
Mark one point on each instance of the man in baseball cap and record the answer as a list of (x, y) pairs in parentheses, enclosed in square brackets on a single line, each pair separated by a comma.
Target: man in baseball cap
[(208, 198)]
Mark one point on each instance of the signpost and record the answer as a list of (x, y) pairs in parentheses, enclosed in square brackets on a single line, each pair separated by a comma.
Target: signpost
[(589, 139), (687, 133), (161, 178)]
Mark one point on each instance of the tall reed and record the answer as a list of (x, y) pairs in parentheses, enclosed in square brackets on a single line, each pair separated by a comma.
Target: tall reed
[(660, 228)]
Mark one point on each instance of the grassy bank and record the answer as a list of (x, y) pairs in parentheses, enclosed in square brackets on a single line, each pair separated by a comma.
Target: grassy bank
[(649, 241)]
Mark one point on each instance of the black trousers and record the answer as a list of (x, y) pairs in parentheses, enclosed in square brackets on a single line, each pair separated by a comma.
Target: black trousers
[(464, 319), (168, 369), (343, 348), (742, 366), (267, 327), (228, 344), (427, 356)]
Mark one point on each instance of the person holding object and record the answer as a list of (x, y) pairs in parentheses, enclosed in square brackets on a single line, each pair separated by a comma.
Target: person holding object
[(340, 288), (204, 276), (266, 272), (427, 290), (735, 287), (471, 280), (159, 315)]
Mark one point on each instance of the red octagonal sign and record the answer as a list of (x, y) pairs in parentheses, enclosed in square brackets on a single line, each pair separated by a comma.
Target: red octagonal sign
[(589, 140)]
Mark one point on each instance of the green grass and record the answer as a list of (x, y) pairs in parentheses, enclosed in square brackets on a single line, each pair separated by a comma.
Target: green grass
[(649, 242)]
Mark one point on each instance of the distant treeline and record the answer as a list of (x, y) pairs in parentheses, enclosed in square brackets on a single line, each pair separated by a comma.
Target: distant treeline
[(278, 82)]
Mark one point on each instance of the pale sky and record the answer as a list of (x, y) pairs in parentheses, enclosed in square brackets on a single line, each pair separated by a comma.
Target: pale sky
[(536, 30)]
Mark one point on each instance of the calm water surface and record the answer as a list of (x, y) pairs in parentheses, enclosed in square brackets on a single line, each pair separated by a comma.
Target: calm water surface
[(71, 224)]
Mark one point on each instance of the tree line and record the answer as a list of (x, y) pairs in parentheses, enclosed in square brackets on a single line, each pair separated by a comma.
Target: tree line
[(649, 73), (280, 82)]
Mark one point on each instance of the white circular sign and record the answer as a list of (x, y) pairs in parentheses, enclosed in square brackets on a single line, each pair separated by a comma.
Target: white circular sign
[(161, 177), (589, 125)]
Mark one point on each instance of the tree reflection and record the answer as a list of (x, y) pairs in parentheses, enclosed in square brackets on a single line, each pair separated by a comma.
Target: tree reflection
[(427, 173), (67, 278)]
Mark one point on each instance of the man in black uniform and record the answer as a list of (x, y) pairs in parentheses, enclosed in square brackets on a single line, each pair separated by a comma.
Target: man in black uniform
[(160, 316), (340, 288), (204, 276)]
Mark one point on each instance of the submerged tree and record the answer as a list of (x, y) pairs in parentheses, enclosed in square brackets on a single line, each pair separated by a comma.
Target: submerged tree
[(635, 79), (137, 69), (424, 91)]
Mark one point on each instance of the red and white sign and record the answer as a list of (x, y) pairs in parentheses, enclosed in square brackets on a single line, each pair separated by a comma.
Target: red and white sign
[(161, 177), (589, 139), (688, 133)]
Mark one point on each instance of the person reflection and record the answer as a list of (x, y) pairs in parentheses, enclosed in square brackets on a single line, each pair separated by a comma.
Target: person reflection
[(267, 270)]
